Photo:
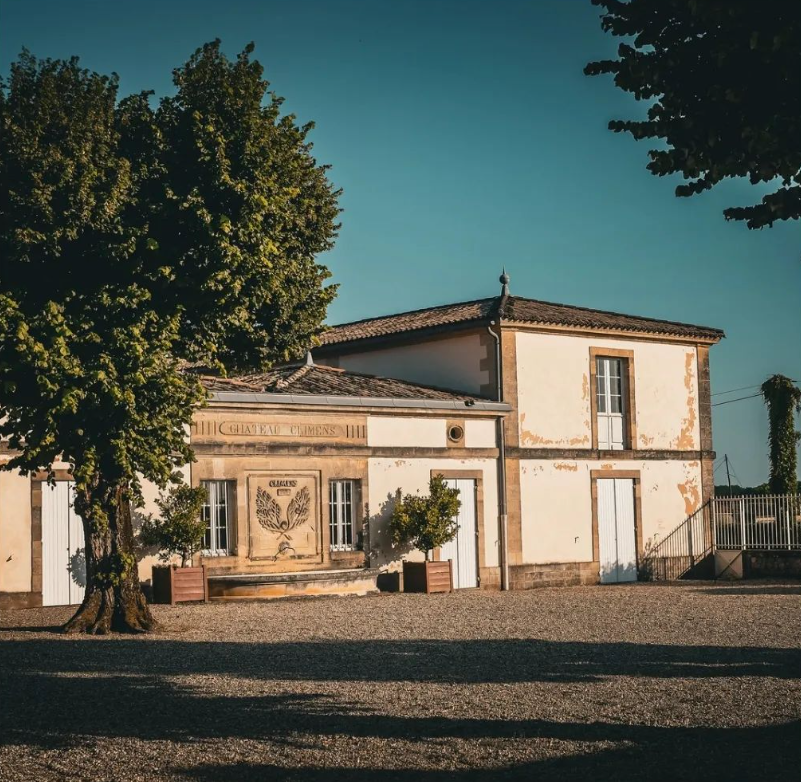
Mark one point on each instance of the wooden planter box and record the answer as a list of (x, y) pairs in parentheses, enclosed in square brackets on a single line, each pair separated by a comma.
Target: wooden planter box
[(173, 584), (427, 577)]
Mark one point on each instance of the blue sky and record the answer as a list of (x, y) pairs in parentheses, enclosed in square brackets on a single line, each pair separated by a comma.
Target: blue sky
[(466, 138)]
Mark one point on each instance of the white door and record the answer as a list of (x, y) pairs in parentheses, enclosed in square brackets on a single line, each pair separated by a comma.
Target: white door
[(63, 553), (616, 532), (462, 549), (609, 382)]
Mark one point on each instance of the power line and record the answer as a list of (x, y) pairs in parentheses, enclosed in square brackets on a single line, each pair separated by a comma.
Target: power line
[(732, 390), (739, 399), (742, 388)]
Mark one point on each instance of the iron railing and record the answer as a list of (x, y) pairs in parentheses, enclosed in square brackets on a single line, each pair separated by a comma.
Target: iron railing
[(758, 522), (684, 552)]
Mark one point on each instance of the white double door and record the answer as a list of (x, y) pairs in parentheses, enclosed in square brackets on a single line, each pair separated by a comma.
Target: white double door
[(617, 539), (462, 550), (63, 552)]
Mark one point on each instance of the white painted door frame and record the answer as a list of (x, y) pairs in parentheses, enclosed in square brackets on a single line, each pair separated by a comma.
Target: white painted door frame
[(463, 549)]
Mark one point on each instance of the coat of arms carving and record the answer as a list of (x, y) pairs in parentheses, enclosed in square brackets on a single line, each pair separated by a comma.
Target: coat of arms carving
[(284, 515), (268, 512)]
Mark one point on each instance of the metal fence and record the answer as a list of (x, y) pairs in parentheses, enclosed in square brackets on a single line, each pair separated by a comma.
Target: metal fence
[(683, 552), (760, 523)]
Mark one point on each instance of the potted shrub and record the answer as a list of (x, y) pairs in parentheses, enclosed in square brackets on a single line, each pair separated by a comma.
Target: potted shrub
[(426, 522), (178, 532)]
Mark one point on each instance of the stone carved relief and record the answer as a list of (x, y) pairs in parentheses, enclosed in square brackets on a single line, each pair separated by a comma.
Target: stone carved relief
[(268, 511), (284, 516)]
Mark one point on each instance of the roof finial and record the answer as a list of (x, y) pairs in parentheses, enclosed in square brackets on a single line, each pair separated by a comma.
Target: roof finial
[(504, 280), (309, 359)]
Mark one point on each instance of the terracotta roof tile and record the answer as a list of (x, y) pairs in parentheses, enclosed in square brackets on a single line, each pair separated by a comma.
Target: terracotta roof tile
[(517, 309), (316, 380), (410, 321)]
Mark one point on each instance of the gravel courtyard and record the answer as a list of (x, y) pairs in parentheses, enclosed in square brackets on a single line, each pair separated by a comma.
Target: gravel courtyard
[(698, 681)]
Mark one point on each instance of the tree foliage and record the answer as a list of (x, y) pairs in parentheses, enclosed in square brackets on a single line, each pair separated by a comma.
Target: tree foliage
[(783, 399), (136, 241), (426, 521), (724, 81)]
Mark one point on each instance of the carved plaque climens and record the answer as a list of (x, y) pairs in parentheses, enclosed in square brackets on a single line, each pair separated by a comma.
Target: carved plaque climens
[(284, 516), (241, 428)]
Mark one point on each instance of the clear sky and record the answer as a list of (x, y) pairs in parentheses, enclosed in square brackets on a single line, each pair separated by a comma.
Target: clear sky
[(466, 138)]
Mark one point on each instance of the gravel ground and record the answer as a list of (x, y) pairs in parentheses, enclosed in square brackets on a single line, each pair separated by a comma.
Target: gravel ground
[(697, 681)]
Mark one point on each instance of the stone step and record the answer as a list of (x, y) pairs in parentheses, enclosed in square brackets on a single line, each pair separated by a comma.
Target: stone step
[(266, 586)]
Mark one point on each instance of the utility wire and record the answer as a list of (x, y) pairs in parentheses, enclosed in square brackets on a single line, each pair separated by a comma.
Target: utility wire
[(742, 388), (732, 390), (739, 399)]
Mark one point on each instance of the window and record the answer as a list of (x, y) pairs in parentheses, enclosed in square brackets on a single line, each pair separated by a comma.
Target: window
[(610, 405), (342, 504), (218, 514)]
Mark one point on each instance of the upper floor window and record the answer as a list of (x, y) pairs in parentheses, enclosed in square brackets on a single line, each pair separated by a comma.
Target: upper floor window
[(611, 403), (342, 507), (218, 513)]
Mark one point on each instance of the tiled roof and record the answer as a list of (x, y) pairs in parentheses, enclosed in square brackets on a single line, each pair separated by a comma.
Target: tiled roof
[(533, 311), (415, 320), (511, 308), (316, 380)]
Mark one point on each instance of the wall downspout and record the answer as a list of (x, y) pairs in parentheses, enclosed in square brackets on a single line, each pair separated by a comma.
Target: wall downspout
[(503, 518)]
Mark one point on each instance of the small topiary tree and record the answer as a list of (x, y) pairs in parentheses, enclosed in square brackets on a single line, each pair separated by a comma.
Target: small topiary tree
[(783, 399), (426, 521), (180, 530)]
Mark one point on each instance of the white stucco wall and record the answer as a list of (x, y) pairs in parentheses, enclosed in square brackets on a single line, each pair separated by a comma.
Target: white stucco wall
[(386, 476), (402, 431), (480, 433), (553, 382), (556, 503), (450, 362)]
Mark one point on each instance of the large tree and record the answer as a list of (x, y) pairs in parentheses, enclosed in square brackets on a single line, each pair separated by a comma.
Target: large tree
[(137, 242), (723, 78)]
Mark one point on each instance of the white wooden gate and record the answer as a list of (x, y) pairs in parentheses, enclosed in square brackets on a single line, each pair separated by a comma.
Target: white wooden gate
[(616, 531), (462, 549), (63, 554)]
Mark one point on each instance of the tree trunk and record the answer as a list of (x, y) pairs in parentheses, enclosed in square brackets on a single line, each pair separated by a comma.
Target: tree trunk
[(114, 601)]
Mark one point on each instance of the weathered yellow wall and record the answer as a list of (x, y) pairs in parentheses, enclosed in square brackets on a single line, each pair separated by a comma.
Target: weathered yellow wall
[(387, 475), (553, 381), (556, 503), (449, 362), (15, 532)]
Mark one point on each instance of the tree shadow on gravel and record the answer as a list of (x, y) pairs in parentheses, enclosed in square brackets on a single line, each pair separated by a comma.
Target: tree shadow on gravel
[(443, 661), (59, 692), (638, 752)]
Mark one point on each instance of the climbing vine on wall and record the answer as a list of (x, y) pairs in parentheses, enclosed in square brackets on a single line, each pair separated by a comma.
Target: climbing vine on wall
[(783, 400)]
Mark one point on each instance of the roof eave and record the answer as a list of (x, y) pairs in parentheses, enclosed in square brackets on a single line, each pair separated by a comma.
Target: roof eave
[(708, 338), (465, 405)]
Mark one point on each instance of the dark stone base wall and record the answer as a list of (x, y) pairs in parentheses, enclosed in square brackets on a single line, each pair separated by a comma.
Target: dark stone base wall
[(10, 600), (771, 564), (554, 574)]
